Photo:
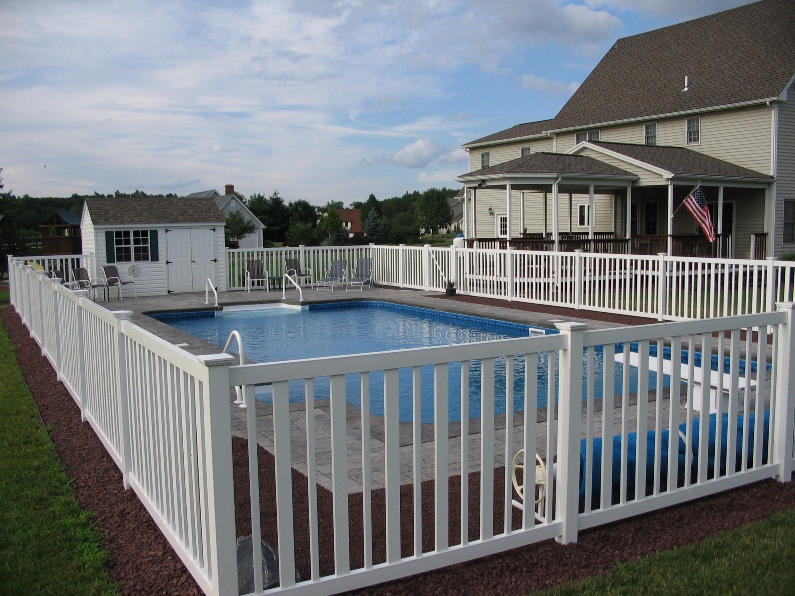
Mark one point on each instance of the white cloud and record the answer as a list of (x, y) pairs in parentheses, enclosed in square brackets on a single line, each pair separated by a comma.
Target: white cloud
[(543, 84), (680, 9), (440, 178), (417, 155)]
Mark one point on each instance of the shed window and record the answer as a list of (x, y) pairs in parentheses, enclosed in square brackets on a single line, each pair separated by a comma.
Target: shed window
[(125, 246), (693, 131), (789, 221)]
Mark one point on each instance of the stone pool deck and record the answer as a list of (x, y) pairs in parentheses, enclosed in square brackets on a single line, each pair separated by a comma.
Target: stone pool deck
[(517, 312)]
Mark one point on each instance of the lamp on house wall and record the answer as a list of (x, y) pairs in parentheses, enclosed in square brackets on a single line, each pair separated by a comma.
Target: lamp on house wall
[(491, 211)]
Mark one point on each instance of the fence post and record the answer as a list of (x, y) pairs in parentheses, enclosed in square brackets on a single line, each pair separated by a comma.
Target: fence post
[(569, 420), (26, 299), (81, 353), (402, 266), (772, 284), (220, 484), (302, 257), (785, 395), (509, 273), (121, 392), (426, 267), (662, 290), (57, 327), (578, 279)]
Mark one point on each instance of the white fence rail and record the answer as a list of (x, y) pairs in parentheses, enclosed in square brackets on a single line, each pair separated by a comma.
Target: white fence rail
[(625, 439)]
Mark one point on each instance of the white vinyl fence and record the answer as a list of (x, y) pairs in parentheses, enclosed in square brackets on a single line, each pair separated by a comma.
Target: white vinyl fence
[(706, 425)]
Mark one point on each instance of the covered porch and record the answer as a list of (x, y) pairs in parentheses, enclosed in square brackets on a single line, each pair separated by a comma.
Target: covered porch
[(631, 205)]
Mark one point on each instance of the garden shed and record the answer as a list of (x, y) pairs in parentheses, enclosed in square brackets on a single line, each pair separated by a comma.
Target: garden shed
[(170, 245)]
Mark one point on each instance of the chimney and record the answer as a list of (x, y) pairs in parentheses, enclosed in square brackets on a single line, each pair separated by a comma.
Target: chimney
[(229, 189)]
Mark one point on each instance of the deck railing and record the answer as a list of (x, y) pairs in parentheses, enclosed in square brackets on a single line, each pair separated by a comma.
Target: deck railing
[(164, 416)]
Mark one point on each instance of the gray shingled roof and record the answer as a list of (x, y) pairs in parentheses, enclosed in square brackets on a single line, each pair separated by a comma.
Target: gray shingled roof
[(203, 194), (154, 211), (519, 131), (681, 161), (735, 56), (550, 164)]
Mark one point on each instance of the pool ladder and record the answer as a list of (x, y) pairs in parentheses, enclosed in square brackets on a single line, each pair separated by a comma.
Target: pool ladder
[(238, 388)]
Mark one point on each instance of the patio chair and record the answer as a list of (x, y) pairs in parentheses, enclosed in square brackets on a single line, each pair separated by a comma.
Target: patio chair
[(337, 274), (362, 275), (256, 275), (81, 280), (114, 280), (57, 275), (292, 267)]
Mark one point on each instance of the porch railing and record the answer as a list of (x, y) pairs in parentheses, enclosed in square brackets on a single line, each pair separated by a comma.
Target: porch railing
[(164, 416)]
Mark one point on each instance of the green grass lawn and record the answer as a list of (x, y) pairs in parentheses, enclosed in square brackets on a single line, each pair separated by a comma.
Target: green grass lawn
[(756, 559), (47, 543)]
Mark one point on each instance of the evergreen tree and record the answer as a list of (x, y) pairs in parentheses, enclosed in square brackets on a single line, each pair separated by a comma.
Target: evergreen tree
[(374, 228)]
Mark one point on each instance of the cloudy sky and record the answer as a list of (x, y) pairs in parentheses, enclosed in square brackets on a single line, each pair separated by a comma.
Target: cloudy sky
[(320, 100)]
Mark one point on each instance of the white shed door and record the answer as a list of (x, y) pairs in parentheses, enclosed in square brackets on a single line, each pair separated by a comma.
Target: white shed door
[(205, 264), (180, 277)]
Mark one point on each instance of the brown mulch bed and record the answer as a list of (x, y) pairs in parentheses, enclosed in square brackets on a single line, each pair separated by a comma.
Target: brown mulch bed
[(142, 561)]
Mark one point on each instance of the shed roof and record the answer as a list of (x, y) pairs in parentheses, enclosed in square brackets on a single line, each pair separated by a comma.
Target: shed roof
[(154, 211), (680, 161)]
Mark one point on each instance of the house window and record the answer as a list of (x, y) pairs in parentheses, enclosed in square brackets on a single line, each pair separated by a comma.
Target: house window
[(131, 245), (484, 159), (590, 135), (650, 218), (693, 131), (502, 226), (582, 216), (650, 134), (789, 221), (526, 151)]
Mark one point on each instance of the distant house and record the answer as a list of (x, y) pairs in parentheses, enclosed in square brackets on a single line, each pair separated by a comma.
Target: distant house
[(707, 101), (229, 202), (60, 234), (171, 245), (352, 220)]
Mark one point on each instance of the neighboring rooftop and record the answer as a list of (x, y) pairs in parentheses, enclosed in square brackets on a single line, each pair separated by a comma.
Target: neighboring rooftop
[(154, 211)]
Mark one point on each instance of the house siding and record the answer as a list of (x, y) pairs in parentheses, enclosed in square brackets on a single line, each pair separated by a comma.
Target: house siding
[(152, 279), (785, 174), (645, 177), (87, 235), (506, 152)]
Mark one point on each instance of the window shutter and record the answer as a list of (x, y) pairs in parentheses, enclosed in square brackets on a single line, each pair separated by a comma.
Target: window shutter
[(110, 247), (154, 254)]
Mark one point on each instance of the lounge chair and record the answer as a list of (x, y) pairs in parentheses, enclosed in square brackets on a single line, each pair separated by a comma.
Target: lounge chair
[(256, 275), (57, 275), (292, 267), (114, 280), (362, 275), (337, 274)]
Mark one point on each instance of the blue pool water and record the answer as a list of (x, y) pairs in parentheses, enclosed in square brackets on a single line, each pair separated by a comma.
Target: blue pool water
[(279, 334)]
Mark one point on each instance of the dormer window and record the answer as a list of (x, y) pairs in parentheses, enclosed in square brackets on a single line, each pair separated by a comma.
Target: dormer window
[(484, 160), (526, 151), (590, 135), (693, 130), (650, 134)]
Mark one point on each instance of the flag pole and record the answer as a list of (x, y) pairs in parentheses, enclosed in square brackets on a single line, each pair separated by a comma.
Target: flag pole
[(692, 190)]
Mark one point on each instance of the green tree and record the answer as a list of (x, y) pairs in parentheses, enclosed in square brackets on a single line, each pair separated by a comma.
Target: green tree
[(302, 232), (331, 227), (237, 227), (372, 204), (273, 214), (302, 211), (433, 211), (374, 228)]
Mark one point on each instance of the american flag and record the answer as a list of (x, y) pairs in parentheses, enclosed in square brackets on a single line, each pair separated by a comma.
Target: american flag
[(696, 203)]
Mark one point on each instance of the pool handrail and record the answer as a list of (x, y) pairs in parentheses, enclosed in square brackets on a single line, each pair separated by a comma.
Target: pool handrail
[(207, 287), (287, 277), (242, 359)]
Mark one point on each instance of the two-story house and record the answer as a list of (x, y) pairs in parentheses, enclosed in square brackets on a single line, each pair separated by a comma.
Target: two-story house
[(707, 101)]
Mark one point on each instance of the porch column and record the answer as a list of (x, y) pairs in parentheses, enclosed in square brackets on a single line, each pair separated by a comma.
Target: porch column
[(521, 212), (591, 214), (508, 211), (474, 212), (670, 216), (467, 203), (720, 222), (770, 217), (546, 215), (555, 209), (570, 204), (628, 221)]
